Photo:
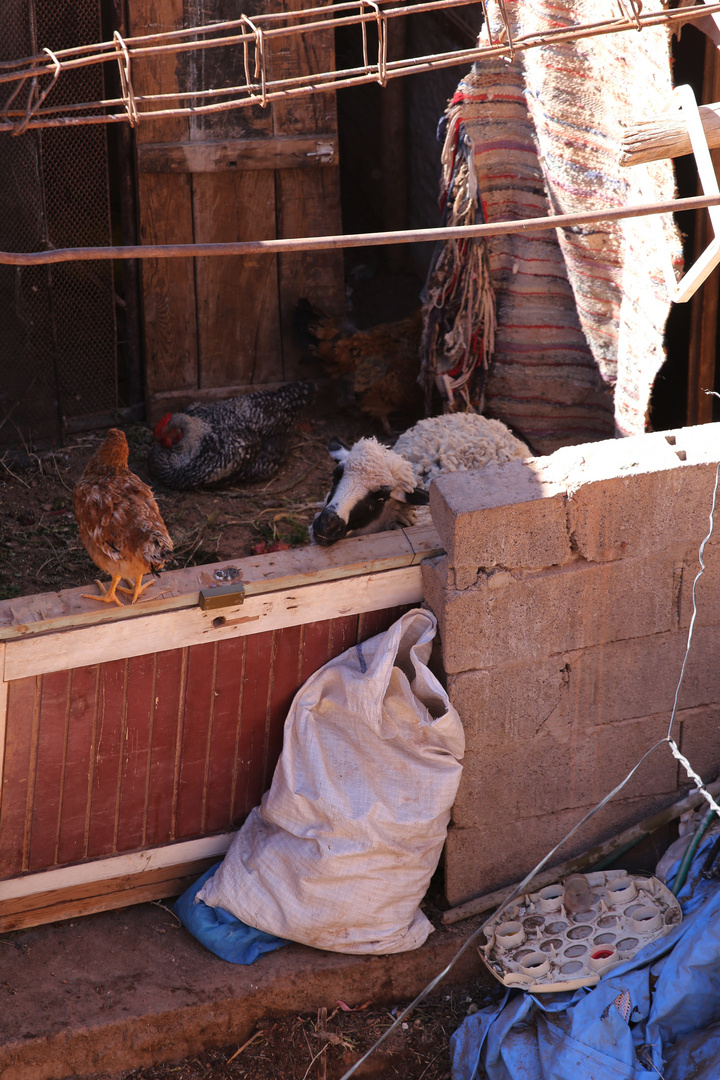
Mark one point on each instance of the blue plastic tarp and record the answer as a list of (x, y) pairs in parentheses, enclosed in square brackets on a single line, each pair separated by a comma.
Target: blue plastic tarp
[(219, 931), (657, 1014)]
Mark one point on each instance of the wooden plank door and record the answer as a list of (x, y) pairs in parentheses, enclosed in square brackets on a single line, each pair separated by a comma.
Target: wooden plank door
[(217, 324)]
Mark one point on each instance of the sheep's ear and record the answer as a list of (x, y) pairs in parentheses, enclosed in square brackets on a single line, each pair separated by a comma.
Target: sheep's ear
[(415, 497), (337, 449)]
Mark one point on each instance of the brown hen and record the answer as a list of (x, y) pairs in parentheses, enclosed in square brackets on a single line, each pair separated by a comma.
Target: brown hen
[(380, 365), (119, 521)]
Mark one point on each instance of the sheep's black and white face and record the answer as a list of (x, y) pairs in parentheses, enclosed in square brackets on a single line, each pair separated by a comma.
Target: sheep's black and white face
[(358, 502)]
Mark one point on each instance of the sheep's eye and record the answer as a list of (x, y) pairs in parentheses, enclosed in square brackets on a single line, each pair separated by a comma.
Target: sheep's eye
[(382, 495)]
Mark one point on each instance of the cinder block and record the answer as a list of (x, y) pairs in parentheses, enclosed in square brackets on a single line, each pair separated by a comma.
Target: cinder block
[(707, 590), (502, 515), (501, 852), (641, 512), (512, 702), (698, 735), (523, 617), (607, 500), (625, 679), (546, 775)]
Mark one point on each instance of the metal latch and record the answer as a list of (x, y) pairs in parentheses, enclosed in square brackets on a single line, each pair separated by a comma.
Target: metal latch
[(224, 596)]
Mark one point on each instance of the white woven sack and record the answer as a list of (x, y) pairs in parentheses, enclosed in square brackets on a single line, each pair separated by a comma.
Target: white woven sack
[(342, 848)]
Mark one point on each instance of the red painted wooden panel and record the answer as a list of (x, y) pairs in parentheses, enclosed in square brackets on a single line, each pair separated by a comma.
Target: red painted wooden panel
[(170, 683), (134, 774), (154, 748), (45, 823), (107, 759), (315, 648), (72, 841), (197, 721), (251, 745), (371, 623), (344, 634), (222, 766), (18, 743), (286, 681)]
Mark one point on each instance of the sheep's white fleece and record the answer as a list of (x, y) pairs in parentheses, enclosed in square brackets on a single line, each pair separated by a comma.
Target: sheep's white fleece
[(457, 442)]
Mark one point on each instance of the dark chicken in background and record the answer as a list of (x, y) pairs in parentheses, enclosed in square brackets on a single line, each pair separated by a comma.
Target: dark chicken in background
[(379, 366), (242, 438)]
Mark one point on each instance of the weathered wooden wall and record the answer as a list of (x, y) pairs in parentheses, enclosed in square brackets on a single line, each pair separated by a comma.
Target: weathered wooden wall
[(245, 174)]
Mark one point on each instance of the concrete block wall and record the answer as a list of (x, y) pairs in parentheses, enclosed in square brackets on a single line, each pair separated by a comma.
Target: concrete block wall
[(564, 602)]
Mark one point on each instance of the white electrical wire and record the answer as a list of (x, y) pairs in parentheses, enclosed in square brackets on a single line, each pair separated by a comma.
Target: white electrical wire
[(519, 889)]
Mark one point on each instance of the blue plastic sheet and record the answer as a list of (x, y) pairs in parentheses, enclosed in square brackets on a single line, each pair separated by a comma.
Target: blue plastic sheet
[(219, 931), (673, 1028)]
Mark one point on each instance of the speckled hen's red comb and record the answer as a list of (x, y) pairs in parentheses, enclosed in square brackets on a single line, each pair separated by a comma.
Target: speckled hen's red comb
[(161, 425)]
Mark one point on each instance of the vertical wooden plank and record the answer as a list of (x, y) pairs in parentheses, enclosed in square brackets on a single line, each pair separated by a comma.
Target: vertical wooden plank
[(222, 768), (255, 700), (308, 204), (45, 816), (237, 297), (76, 802), (169, 696), (704, 304), (102, 829), (285, 683), (197, 729), (165, 212), (308, 200), (376, 622), (344, 634), (315, 648), (23, 697), (169, 317), (136, 752)]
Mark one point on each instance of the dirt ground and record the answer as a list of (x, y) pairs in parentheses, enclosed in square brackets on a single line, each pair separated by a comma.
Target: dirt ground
[(40, 549), (317, 1047)]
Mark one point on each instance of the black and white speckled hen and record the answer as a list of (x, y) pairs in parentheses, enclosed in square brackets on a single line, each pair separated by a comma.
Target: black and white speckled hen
[(242, 438)]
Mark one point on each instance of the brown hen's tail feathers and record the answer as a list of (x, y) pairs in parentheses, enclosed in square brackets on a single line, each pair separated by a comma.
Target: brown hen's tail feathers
[(111, 457)]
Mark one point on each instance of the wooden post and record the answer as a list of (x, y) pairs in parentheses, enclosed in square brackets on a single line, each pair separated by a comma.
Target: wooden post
[(393, 157), (704, 304), (165, 216)]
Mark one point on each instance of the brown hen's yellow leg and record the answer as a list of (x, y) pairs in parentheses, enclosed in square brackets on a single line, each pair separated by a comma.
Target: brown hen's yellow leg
[(107, 596), (138, 590)]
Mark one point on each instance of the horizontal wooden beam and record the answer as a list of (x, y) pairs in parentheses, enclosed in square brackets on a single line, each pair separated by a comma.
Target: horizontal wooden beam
[(162, 631), (666, 136), (168, 858), (238, 155), (45, 613), (102, 884), (71, 905)]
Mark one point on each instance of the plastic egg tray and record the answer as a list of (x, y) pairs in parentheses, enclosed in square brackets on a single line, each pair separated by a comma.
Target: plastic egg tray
[(538, 944)]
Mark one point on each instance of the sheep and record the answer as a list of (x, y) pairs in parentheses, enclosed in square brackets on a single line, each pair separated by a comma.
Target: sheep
[(376, 488)]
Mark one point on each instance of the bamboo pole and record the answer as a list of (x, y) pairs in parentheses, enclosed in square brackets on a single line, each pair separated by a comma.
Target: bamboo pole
[(581, 862), (354, 240)]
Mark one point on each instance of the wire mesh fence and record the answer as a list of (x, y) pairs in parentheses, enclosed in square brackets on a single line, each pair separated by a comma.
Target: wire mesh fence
[(57, 349)]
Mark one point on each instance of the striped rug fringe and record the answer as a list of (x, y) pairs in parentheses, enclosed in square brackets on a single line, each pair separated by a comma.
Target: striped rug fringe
[(458, 301)]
